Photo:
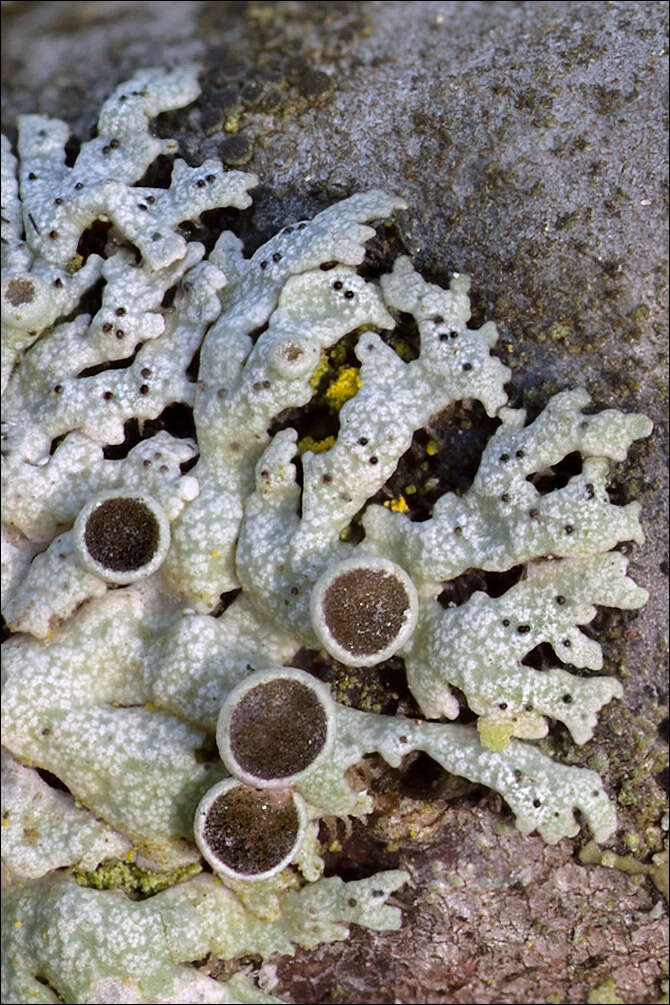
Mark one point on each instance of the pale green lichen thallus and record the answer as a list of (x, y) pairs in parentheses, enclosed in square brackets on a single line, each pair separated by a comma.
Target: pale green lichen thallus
[(123, 669)]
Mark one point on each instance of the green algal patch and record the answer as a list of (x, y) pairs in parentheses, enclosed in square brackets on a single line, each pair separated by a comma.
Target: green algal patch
[(135, 880)]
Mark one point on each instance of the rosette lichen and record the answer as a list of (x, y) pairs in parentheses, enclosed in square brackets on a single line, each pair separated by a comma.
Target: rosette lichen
[(167, 593)]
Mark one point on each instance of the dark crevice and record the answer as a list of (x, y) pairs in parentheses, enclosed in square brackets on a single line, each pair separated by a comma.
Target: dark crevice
[(94, 239), (299, 480), (361, 856), (114, 364), (186, 466), (72, 148), (55, 443), (315, 420), (215, 221), (168, 298), (542, 657), (176, 419), (404, 339), (382, 250), (256, 333), (90, 303), (47, 776), (421, 777), (207, 752), (381, 688), (158, 174), (193, 367), (459, 590), (558, 475), (498, 583), (47, 984), (131, 437), (424, 779), (443, 457), (225, 600)]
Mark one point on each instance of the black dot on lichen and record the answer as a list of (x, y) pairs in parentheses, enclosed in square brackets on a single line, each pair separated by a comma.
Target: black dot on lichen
[(277, 729), (20, 291), (122, 534), (365, 609), (252, 830)]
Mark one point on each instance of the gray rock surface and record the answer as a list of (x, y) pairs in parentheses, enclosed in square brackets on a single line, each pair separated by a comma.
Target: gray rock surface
[(529, 142)]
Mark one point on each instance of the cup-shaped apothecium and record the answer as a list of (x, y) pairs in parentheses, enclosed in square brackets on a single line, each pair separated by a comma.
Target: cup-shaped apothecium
[(247, 833), (364, 609), (121, 535), (275, 727)]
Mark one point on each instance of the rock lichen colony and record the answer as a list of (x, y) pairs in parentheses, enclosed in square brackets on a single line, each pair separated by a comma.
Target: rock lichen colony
[(124, 663)]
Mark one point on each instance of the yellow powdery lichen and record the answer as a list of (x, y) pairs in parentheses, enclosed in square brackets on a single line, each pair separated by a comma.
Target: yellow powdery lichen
[(397, 505), (343, 387), (316, 446)]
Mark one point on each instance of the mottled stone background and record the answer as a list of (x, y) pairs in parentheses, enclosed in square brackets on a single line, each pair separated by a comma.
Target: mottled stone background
[(529, 141)]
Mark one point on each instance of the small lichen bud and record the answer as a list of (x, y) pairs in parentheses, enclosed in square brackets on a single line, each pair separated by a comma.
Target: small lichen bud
[(293, 357)]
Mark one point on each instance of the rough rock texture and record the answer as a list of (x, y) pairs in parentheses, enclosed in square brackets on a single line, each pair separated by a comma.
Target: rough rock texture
[(529, 140)]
